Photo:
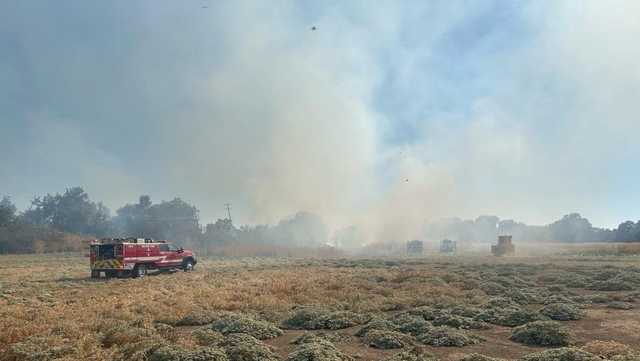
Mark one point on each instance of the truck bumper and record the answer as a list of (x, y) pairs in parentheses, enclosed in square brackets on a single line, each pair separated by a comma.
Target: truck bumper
[(107, 264)]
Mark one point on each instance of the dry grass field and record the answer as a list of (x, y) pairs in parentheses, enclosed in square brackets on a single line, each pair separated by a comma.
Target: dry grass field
[(566, 308)]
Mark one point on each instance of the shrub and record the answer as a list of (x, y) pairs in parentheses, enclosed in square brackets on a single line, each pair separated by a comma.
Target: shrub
[(426, 312), (619, 305), (377, 324), (510, 316), (557, 299), (176, 353), (413, 325), (244, 347), (500, 302), (313, 318), (318, 350), (595, 298), (466, 311), (139, 351), (237, 323), (415, 354), (459, 322), (561, 354), (447, 336), (334, 337), (478, 357), (611, 285), (542, 333), (517, 316), (492, 288), (522, 298), (562, 312), (207, 337), (387, 339)]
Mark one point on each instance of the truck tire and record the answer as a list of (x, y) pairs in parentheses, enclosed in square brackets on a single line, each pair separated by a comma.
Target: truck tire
[(139, 271), (187, 265)]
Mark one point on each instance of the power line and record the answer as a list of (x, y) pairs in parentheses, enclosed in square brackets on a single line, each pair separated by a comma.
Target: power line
[(228, 206)]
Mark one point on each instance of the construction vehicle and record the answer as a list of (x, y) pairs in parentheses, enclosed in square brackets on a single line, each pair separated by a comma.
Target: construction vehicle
[(415, 248), (133, 257), (504, 247), (448, 246)]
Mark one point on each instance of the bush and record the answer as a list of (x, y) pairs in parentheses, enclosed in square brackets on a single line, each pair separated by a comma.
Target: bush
[(413, 325), (139, 351), (589, 299), (510, 316), (447, 336), (237, 323), (207, 337), (377, 324), (557, 299), (415, 354), (459, 322), (561, 354), (318, 350), (176, 353), (387, 339), (313, 318), (522, 298), (244, 347), (619, 305), (465, 311), (478, 357), (541, 333), (501, 302), (426, 312), (562, 312), (334, 337), (492, 288), (611, 285)]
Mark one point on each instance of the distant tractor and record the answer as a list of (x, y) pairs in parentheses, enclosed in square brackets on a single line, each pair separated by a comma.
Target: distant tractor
[(448, 246), (504, 247), (415, 248)]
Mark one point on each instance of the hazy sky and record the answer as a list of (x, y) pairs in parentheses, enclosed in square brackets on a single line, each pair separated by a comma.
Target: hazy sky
[(391, 112)]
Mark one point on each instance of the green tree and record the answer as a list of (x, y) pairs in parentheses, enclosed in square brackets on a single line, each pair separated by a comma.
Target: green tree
[(7, 212), (73, 212)]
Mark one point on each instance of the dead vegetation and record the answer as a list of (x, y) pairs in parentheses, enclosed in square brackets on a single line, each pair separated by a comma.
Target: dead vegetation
[(346, 309)]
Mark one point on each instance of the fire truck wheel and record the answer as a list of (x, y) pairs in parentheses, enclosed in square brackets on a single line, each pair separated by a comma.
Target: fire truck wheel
[(187, 265), (140, 270)]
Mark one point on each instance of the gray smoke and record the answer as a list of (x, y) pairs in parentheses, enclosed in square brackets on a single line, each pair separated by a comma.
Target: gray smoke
[(241, 102)]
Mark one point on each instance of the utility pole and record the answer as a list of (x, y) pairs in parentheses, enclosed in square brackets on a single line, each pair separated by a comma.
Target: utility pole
[(228, 206)]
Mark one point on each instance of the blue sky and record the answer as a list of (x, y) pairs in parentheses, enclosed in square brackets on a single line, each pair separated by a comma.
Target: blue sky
[(522, 109)]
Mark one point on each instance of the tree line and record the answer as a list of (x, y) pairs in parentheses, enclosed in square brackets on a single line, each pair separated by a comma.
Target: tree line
[(571, 228), (61, 221)]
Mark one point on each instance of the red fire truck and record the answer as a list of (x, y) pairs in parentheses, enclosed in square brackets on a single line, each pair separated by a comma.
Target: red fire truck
[(120, 257)]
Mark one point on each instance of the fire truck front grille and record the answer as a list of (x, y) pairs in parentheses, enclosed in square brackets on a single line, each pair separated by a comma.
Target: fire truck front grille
[(107, 264)]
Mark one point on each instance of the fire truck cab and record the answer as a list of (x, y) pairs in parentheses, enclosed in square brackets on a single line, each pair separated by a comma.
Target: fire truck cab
[(121, 257)]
